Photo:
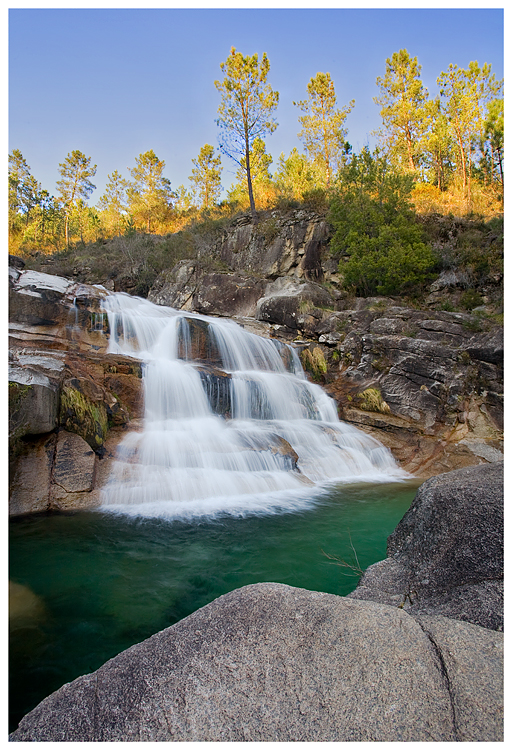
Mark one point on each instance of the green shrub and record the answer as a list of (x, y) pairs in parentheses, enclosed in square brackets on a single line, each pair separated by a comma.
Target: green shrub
[(316, 199), (380, 243), (470, 299)]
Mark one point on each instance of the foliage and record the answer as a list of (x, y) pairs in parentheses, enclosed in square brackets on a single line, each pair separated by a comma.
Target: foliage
[(452, 144), (403, 99), (245, 111), (322, 131), (206, 176), (113, 204), (371, 400), (263, 189), (314, 362), (317, 199), (466, 95), (294, 176), (382, 245), (150, 193), (75, 171)]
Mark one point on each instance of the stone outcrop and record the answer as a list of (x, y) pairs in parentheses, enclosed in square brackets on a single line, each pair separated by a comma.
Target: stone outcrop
[(272, 663), (445, 557), (293, 304), (290, 246), (438, 376), (278, 245), (69, 400)]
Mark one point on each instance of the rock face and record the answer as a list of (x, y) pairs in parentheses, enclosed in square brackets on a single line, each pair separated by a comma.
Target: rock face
[(277, 246), (273, 663), (439, 375), (446, 554), (289, 246), (69, 400)]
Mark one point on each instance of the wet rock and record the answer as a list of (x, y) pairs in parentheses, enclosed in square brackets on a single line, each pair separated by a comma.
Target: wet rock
[(29, 486), (74, 463), (33, 402), (217, 386), (272, 663), (73, 476), (83, 410), (197, 342)]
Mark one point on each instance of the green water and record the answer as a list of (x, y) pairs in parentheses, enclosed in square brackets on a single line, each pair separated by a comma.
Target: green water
[(108, 581)]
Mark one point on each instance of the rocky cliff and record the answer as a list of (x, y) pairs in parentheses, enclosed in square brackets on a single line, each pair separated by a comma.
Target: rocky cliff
[(69, 401)]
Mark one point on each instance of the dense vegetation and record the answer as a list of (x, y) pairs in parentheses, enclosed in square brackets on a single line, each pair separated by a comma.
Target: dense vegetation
[(437, 157)]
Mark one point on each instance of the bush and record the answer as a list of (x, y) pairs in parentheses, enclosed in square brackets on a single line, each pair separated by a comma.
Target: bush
[(381, 244)]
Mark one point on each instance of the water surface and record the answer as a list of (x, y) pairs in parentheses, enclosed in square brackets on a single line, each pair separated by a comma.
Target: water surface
[(106, 581)]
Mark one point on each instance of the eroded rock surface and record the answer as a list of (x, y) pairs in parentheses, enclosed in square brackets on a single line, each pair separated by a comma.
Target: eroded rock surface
[(272, 663), (446, 554), (65, 392)]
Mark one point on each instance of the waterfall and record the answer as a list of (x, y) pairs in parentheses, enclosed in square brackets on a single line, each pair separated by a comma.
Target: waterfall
[(231, 423)]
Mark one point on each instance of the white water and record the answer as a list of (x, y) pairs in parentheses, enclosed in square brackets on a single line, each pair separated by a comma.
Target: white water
[(190, 460)]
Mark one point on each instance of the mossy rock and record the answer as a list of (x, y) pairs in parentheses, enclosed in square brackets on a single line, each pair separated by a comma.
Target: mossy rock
[(314, 362), (18, 394), (83, 416), (371, 400)]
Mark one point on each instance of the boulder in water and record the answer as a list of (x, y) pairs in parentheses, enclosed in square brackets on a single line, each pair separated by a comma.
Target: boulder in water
[(272, 663), (446, 554)]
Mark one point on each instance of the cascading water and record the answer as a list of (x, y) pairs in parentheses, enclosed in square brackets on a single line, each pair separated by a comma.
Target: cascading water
[(231, 423)]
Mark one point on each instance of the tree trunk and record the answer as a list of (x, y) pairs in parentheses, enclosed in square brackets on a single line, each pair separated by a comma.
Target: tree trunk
[(249, 180)]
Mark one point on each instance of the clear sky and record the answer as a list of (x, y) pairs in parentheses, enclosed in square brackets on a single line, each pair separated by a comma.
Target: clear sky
[(114, 83)]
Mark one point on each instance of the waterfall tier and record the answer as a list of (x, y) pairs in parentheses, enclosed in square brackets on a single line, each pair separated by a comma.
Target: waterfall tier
[(231, 423)]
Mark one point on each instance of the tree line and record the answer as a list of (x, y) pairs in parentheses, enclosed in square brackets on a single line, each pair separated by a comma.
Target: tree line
[(447, 144)]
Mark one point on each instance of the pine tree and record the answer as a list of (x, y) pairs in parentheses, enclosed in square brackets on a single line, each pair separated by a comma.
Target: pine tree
[(150, 196), (113, 202), (403, 99), (206, 176), (75, 171), (322, 133), (245, 111)]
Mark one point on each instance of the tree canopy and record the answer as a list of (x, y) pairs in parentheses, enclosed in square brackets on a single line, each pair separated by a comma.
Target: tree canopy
[(322, 131), (403, 99), (149, 194), (450, 142), (246, 109), (206, 176), (380, 245), (75, 171)]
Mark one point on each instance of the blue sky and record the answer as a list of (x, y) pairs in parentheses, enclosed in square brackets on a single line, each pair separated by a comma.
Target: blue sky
[(114, 83)]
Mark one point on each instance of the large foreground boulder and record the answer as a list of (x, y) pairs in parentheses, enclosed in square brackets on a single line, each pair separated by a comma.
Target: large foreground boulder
[(446, 554), (269, 662)]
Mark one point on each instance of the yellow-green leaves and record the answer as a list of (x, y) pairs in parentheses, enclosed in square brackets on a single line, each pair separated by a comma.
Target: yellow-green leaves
[(322, 131), (245, 111), (150, 193), (403, 99), (205, 176)]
